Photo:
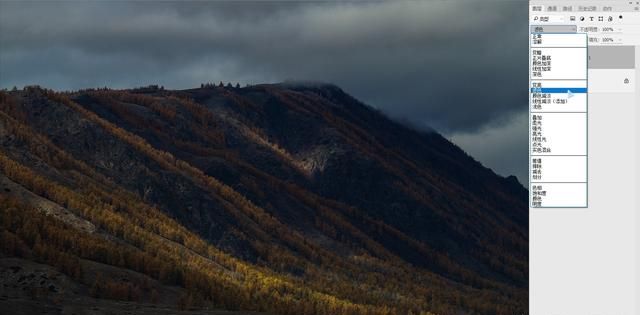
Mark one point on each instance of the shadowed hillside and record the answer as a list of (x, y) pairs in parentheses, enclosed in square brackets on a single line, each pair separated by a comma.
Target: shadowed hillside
[(284, 198)]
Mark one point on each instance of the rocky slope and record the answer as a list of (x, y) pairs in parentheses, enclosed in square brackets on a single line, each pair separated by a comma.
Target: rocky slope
[(291, 198)]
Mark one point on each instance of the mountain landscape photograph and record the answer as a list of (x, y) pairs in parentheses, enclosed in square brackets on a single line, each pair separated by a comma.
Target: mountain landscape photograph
[(262, 158)]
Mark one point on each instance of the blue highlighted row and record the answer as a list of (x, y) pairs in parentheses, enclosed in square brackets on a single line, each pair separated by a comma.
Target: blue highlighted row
[(558, 90)]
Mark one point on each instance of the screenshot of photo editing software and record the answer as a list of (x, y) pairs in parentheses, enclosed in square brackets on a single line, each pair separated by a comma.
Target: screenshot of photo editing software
[(322, 157), (584, 71)]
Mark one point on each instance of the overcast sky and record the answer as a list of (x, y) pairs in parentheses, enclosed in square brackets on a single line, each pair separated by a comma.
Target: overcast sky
[(456, 66)]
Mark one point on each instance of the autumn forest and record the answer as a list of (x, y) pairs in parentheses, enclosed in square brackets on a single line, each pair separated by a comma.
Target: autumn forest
[(271, 198)]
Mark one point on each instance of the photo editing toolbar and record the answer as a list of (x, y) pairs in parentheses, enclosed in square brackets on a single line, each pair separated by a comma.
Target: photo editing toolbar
[(584, 94)]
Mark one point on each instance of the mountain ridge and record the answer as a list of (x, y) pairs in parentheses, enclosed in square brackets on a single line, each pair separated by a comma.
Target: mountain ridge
[(300, 182)]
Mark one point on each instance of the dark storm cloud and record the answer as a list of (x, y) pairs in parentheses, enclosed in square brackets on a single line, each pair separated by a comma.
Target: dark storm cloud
[(458, 66)]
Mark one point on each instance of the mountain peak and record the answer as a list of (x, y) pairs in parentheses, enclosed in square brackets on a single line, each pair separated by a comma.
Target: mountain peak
[(301, 84), (281, 198)]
